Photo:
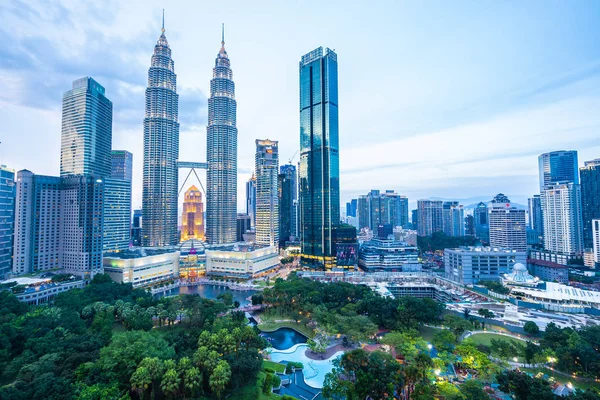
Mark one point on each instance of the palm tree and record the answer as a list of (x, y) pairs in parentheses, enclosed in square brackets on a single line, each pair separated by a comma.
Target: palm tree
[(192, 380), (220, 378), (170, 383), (140, 381)]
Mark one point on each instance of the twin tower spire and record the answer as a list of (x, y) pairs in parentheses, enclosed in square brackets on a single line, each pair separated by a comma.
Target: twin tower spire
[(161, 151)]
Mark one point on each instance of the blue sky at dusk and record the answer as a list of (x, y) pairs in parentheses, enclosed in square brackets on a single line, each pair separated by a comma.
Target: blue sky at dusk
[(437, 98)]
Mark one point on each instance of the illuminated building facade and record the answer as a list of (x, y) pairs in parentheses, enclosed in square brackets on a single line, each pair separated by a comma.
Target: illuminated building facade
[(192, 218)]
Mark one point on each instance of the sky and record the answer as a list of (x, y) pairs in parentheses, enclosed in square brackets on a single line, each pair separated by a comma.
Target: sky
[(436, 99)]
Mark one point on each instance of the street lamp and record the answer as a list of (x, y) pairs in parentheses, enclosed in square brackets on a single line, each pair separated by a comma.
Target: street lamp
[(552, 360), (515, 359)]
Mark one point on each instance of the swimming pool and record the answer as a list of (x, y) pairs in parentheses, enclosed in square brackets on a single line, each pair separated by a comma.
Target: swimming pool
[(314, 370), (284, 338)]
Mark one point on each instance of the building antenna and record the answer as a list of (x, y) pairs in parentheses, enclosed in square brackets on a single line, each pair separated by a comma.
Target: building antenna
[(163, 22), (222, 33)]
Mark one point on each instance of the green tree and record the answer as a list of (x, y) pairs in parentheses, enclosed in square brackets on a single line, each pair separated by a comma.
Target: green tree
[(523, 387), (170, 383), (141, 381), (472, 389), (443, 340), (219, 379), (531, 328), (192, 381), (449, 391)]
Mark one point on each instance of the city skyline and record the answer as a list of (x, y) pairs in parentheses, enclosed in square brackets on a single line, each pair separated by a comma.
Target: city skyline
[(545, 99)]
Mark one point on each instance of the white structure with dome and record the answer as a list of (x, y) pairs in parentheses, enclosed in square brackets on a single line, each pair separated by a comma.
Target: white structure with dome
[(519, 276)]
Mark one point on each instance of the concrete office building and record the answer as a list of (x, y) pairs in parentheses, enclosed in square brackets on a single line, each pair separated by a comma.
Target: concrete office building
[(508, 227), (548, 271), (388, 255), (241, 261), (470, 265)]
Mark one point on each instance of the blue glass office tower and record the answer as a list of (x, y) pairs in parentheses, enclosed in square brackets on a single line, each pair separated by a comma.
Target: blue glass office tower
[(590, 198), (86, 138), (161, 150), (558, 167), (319, 157), (7, 218), (117, 203), (221, 154)]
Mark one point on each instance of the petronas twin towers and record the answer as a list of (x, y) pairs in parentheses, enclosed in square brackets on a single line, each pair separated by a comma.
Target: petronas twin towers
[(161, 152)]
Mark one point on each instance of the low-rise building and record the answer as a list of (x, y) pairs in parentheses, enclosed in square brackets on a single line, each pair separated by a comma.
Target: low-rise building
[(241, 260), (388, 255), (37, 291), (553, 256), (469, 265), (548, 271), (142, 267)]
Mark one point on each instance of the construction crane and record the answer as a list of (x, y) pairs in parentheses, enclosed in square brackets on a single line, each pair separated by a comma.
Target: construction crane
[(292, 159)]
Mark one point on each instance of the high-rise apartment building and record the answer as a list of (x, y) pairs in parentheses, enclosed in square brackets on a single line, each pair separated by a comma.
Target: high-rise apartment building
[(508, 226), (267, 201), (37, 223), (58, 224), (558, 167), (536, 220), (457, 220), (161, 150), (81, 223), (7, 218), (287, 189), (319, 170), (86, 138), (596, 241), (480, 218), (221, 151), (590, 198), (376, 208), (117, 202), (429, 217), (469, 225), (563, 231), (251, 199), (192, 217)]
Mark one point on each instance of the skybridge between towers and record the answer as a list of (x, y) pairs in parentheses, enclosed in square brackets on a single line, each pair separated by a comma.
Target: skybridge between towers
[(192, 166)]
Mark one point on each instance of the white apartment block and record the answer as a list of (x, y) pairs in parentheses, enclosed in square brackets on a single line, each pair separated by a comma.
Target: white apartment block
[(561, 210), (508, 227)]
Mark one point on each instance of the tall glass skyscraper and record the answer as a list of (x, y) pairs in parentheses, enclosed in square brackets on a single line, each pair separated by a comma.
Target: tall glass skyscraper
[(319, 157), (161, 150), (86, 138), (7, 218), (251, 199), (221, 151), (117, 203), (267, 200), (558, 167), (590, 198)]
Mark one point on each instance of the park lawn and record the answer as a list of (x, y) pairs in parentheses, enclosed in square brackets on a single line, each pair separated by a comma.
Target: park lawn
[(577, 382), (273, 326), (427, 332), (486, 338), (274, 366)]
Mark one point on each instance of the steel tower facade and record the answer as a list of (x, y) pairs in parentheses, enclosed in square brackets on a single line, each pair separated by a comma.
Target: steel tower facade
[(221, 151), (319, 157), (161, 150)]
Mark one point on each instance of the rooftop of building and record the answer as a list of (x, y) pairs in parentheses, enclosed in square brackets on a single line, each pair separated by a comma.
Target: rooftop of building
[(483, 249), (140, 252), (241, 247), (548, 264)]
